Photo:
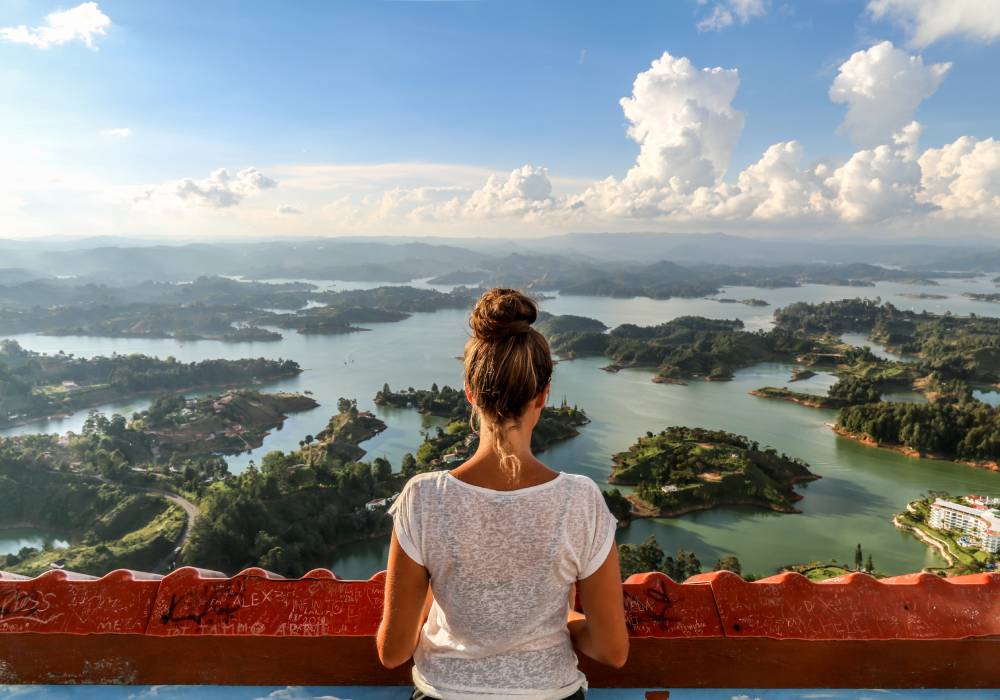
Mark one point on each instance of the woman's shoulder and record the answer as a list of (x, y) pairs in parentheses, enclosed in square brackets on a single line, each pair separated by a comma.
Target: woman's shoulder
[(581, 484), (424, 481)]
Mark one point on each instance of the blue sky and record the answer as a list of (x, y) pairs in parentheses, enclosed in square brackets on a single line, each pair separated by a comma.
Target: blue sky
[(332, 105)]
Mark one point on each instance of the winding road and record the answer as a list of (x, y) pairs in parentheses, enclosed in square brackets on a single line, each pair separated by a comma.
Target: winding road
[(190, 509)]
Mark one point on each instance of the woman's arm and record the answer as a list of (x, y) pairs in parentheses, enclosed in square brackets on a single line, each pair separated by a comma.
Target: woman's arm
[(407, 600), (600, 632)]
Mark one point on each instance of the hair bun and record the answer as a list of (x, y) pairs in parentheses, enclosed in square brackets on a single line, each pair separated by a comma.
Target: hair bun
[(502, 313)]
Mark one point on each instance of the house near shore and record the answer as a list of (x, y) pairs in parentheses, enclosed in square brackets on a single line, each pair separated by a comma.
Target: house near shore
[(376, 504)]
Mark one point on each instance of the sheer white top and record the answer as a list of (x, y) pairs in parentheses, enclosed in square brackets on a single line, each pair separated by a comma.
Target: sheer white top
[(501, 565)]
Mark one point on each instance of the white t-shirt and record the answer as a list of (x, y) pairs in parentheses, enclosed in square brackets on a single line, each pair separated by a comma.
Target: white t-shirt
[(501, 565)]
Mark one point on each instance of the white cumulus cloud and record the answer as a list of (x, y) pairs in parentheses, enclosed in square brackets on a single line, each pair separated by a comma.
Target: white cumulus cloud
[(83, 23), (220, 190), (963, 178), (774, 188), (882, 88), (878, 183), (683, 120), (524, 191), (927, 21)]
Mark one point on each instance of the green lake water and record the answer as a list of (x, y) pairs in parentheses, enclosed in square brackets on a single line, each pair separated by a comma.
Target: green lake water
[(853, 503)]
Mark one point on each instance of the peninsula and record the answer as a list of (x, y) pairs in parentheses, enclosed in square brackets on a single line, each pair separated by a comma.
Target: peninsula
[(681, 470), (35, 385)]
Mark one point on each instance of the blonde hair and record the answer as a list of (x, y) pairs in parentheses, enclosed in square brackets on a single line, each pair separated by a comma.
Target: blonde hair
[(507, 363)]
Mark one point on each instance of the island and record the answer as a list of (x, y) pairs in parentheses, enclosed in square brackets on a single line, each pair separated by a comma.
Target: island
[(850, 390), (230, 423), (749, 302), (453, 443), (922, 295), (805, 399), (800, 373), (340, 440), (681, 470), (36, 385), (992, 298), (687, 347), (211, 308)]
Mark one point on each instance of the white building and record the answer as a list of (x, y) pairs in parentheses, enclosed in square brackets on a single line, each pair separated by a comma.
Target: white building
[(980, 522), (376, 504)]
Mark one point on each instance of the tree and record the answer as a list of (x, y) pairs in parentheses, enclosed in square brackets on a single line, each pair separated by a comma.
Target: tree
[(639, 558), (619, 506), (409, 464), (728, 563), (859, 558), (344, 405), (381, 470), (869, 565), (685, 565)]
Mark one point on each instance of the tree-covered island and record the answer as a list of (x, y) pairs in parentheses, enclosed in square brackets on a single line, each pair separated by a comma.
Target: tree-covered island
[(682, 470), (453, 443), (686, 347), (951, 355), (230, 423), (35, 385)]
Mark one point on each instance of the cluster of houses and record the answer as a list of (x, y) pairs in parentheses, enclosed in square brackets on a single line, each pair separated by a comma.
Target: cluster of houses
[(461, 452), (978, 518)]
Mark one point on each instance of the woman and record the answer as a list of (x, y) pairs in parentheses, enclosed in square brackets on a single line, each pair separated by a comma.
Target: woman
[(484, 558)]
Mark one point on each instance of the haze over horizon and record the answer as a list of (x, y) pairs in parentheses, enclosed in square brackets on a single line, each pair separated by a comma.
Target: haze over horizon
[(861, 121)]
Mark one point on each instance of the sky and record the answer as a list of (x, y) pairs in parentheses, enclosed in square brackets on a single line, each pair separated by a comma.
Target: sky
[(853, 119)]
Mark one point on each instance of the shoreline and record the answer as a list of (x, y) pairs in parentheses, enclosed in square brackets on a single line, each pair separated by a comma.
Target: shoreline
[(935, 544), (642, 509), (140, 394), (910, 452)]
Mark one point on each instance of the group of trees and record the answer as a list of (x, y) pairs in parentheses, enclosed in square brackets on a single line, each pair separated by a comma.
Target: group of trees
[(860, 564), (965, 429), (25, 378), (291, 513), (649, 556)]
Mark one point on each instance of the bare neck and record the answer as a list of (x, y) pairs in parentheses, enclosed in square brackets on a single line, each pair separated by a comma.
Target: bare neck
[(484, 469)]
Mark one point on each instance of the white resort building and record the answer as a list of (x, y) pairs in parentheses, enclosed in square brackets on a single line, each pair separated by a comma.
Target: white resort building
[(978, 520)]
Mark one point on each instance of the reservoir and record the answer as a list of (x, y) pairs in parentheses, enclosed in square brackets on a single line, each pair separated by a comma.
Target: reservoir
[(860, 489)]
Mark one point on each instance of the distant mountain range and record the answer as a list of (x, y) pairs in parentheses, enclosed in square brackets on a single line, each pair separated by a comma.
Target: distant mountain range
[(399, 259)]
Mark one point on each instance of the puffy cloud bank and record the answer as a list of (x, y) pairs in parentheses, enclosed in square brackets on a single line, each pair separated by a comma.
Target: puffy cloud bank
[(82, 23), (682, 118)]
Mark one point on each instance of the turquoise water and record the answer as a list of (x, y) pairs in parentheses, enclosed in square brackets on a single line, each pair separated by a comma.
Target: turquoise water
[(853, 503), (13, 539)]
